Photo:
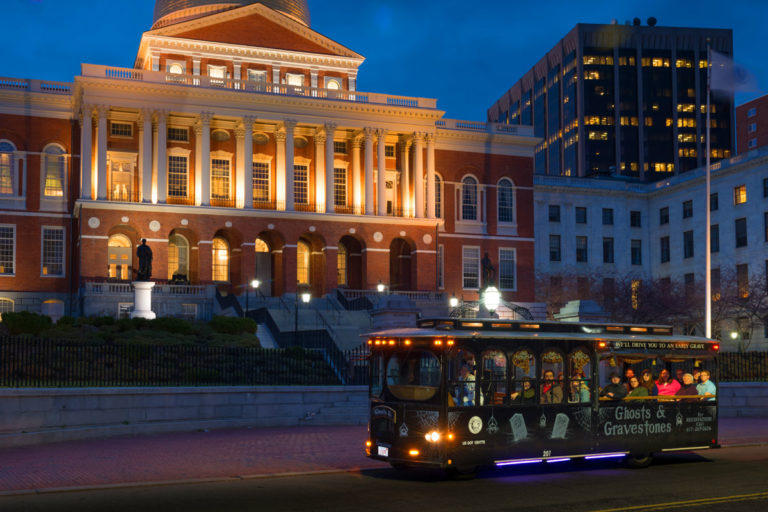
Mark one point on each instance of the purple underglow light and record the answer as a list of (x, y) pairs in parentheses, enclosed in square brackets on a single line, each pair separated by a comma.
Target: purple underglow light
[(521, 461), (604, 456), (564, 459)]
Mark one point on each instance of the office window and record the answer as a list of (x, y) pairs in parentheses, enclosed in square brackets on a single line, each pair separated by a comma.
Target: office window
[(582, 255), (220, 179), (740, 194), (389, 151), (752, 143), (7, 168), (689, 282), (470, 268), (608, 250), (554, 248), (52, 260), (581, 215), (54, 165), (506, 202), (687, 209), (637, 252), (469, 198), (751, 127), (742, 280), (664, 246), (301, 184), (741, 232), (7, 250), (752, 112), (664, 215), (120, 129), (714, 238), (635, 219), (339, 186), (340, 147), (714, 202), (177, 176), (261, 182), (178, 134), (688, 244), (714, 276), (554, 213), (607, 216), (507, 269)]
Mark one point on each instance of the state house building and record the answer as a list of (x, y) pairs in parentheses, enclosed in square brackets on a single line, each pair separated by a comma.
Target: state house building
[(239, 146)]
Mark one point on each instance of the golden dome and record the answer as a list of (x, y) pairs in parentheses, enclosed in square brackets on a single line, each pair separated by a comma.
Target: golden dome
[(168, 12)]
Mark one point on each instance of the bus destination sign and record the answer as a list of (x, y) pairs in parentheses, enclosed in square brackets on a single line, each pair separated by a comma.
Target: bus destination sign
[(658, 345)]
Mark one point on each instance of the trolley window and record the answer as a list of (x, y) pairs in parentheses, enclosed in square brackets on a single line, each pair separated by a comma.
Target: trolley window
[(523, 377), (552, 376), (579, 371), (494, 378), (461, 378), (413, 375)]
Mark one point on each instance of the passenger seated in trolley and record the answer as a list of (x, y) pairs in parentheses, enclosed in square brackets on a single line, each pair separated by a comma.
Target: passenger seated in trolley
[(706, 387), (466, 389), (615, 390), (635, 389), (527, 395), (579, 392), (688, 388), (551, 392)]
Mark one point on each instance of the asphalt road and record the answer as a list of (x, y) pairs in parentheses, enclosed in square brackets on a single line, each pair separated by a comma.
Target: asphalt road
[(731, 479)]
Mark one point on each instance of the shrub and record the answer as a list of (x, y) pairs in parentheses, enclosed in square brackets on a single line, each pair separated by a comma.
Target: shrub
[(233, 325), (66, 320), (170, 324), (25, 322)]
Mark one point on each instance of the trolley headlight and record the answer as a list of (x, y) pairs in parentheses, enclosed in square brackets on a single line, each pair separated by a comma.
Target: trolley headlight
[(433, 436)]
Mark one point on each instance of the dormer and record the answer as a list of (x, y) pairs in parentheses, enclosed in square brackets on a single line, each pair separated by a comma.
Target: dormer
[(254, 44)]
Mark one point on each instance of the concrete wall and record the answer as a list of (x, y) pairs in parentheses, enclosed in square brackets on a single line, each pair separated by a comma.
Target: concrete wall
[(42, 415), (743, 399)]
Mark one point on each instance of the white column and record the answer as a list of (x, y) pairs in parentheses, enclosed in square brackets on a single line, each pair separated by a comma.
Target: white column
[(248, 161), (101, 153), (86, 140), (431, 176), (418, 175), (356, 192), (205, 159), (162, 159), (280, 170), (153, 180), (381, 188), (330, 131), (368, 134), (405, 187), (145, 148), (198, 164), (289, 171), (239, 166), (321, 199)]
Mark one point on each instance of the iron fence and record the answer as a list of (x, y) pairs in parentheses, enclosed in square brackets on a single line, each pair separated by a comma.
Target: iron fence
[(743, 366), (31, 362)]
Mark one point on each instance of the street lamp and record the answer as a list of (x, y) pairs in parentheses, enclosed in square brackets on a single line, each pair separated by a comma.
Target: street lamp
[(305, 298), (453, 302), (491, 299), (380, 287), (734, 335), (255, 283)]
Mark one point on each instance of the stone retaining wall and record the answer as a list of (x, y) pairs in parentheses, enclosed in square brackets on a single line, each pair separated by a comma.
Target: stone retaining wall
[(743, 399)]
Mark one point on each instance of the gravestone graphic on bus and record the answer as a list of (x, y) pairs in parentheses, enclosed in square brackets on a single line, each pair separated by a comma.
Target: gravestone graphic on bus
[(561, 426), (519, 430)]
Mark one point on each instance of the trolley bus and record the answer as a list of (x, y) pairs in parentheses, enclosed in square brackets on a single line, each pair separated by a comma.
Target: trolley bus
[(461, 393)]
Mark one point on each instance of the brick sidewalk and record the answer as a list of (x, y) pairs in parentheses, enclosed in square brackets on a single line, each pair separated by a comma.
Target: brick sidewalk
[(221, 454)]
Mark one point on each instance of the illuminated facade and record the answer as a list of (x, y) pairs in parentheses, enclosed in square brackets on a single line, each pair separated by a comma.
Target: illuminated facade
[(239, 146), (625, 100)]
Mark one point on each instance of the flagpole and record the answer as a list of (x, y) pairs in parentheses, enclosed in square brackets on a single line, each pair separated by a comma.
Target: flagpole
[(707, 247)]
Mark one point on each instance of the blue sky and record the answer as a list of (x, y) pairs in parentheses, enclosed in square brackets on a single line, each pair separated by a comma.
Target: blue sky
[(464, 54)]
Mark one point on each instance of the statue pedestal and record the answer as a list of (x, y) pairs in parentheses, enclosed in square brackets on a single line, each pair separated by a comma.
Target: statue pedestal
[(142, 300)]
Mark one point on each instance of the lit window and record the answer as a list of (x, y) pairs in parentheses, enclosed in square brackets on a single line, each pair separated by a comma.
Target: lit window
[(339, 186), (303, 253), (333, 84), (636, 293), (177, 176), (119, 258), (740, 194), (506, 201), (217, 71), (220, 263), (178, 257), (7, 250), (294, 79), (54, 171), (53, 252), (7, 167), (178, 134), (301, 184), (176, 68), (507, 269), (469, 198), (261, 182), (121, 129), (341, 265), (257, 75), (121, 178), (471, 268), (220, 179)]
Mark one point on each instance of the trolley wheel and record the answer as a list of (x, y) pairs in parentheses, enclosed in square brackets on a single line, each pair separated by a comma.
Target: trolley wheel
[(639, 460)]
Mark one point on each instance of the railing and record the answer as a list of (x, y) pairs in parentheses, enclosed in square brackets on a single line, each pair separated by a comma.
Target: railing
[(743, 366), (43, 86), (478, 126), (30, 362), (417, 296), (139, 75), (166, 290), (186, 201)]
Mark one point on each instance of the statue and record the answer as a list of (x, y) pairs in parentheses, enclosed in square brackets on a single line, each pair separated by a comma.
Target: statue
[(489, 272), (144, 253)]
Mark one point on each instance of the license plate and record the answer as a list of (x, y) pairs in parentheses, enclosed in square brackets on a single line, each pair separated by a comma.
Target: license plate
[(383, 451)]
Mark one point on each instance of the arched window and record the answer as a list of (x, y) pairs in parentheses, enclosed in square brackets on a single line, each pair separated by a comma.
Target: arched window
[(220, 266), (261, 246), (7, 168), (178, 258), (303, 252), (341, 265), (579, 372), (506, 201), (552, 377), (54, 171), (119, 258), (6, 306), (493, 385), (469, 198)]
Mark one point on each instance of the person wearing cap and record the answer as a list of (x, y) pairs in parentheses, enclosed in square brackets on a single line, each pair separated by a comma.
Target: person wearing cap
[(615, 390)]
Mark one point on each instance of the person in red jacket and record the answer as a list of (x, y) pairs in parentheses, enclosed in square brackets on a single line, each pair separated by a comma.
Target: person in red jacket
[(666, 385)]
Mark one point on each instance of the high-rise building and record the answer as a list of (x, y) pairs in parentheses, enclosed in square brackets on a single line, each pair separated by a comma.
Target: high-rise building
[(626, 100), (239, 146), (752, 124)]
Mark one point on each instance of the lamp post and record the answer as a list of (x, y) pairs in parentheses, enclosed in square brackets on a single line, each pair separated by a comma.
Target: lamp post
[(491, 299), (381, 287), (255, 283), (453, 302), (305, 298)]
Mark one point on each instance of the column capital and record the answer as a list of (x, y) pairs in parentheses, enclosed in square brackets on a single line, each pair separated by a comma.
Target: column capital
[(198, 129), (161, 115), (381, 133), (248, 121), (418, 137), (368, 133), (357, 142), (429, 138), (240, 132), (330, 128), (280, 135), (206, 117), (290, 124), (102, 111), (320, 137), (85, 110)]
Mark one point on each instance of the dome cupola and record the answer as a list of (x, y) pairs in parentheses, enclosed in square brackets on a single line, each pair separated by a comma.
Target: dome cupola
[(169, 12)]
